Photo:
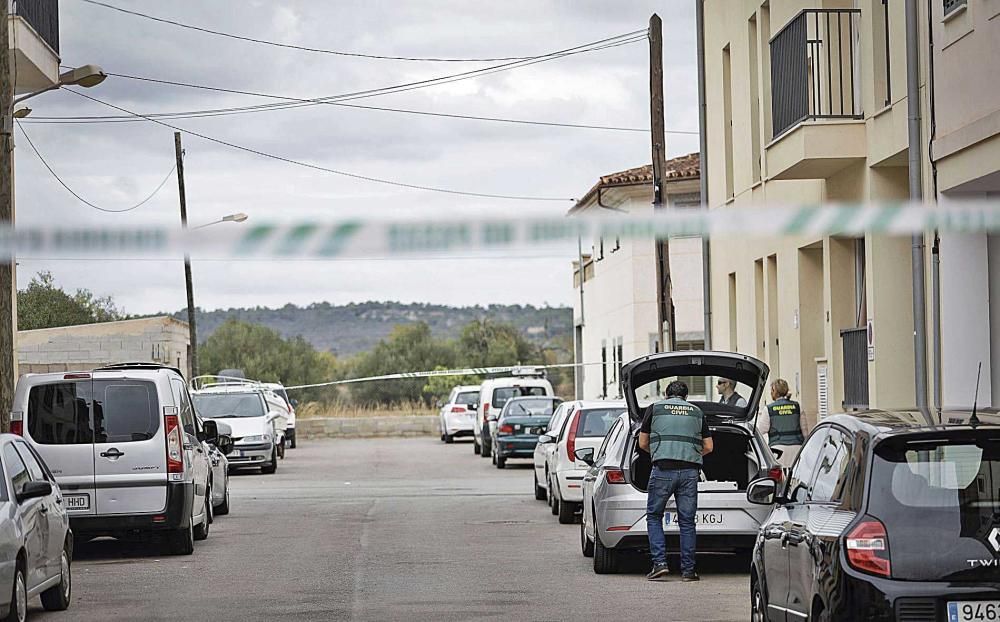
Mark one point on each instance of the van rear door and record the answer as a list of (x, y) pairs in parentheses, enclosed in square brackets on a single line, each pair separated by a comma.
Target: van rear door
[(58, 425), (130, 470)]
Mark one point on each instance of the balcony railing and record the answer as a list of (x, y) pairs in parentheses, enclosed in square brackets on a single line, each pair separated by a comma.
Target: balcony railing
[(814, 73), (43, 16), (855, 343)]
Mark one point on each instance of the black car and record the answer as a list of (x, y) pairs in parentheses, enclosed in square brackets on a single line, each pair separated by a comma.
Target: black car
[(883, 516)]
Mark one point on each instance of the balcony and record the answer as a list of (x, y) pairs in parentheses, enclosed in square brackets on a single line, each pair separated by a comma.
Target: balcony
[(34, 41), (816, 95)]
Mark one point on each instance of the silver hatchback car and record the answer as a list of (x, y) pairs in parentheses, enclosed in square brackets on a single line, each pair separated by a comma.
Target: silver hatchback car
[(614, 488)]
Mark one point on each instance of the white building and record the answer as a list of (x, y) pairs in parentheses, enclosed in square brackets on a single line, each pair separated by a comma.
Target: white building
[(616, 311)]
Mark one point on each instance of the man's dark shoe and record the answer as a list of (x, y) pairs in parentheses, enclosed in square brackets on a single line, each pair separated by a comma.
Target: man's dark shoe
[(690, 576), (658, 573)]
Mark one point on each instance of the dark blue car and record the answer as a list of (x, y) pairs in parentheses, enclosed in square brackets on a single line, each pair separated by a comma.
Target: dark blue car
[(520, 423)]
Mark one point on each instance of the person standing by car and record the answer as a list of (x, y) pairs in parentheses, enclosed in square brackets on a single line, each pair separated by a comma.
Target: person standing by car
[(727, 389), (675, 433), (781, 420)]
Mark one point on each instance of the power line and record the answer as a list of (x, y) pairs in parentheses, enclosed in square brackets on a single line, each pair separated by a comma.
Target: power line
[(302, 48), (318, 167), (80, 198)]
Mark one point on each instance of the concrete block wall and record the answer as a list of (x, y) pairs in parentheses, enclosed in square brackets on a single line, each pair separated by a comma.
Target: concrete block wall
[(362, 427)]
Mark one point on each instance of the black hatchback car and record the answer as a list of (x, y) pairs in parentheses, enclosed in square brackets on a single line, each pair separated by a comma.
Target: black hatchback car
[(883, 516)]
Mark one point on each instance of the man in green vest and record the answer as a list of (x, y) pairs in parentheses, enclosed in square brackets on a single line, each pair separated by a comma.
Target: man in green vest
[(781, 420), (675, 434)]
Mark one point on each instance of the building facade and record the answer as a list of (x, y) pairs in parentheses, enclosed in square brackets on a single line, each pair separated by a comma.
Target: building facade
[(616, 311), (806, 102)]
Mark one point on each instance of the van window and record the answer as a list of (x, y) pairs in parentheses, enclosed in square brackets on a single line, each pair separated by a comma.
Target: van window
[(502, 394), (59, 413), (125, 411)]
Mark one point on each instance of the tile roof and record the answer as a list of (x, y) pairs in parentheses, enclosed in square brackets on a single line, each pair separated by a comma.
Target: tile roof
[(680, 168)]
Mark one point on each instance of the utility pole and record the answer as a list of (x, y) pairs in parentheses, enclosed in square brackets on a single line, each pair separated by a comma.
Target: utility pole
[(192, 330), (8, 284), (664, 294)]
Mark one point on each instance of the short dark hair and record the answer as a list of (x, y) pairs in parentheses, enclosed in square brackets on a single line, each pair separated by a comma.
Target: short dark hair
[(677, 389)]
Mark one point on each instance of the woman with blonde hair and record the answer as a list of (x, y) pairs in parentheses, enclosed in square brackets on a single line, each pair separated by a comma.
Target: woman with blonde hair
[(781, 420)]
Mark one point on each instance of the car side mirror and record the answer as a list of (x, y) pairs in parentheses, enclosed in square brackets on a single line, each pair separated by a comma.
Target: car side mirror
[(440, 404), (224, 443), (492, 418), (763, 491), (474, 406), (33, 490), (545, 439), (777, 452), (294, 402), (209, 431), (585, 454)]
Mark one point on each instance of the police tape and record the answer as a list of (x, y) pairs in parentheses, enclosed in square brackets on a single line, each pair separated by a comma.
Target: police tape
[(447, 235), (526, 371)]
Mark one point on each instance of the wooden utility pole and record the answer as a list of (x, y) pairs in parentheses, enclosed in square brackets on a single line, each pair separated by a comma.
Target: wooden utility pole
[(192, 330), (664, 293), (8, 285)]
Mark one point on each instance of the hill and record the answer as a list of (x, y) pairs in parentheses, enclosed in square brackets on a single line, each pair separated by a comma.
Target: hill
[(357, 327)]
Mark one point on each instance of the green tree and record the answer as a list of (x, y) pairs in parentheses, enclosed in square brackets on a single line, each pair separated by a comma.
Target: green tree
[(485, 343), (44, 305), (410, 347), (438, 387)]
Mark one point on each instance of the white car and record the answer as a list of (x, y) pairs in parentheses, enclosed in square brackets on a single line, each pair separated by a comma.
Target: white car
[(494, 393), (542, 451), (584, 424), (458, 414), (290, 403)]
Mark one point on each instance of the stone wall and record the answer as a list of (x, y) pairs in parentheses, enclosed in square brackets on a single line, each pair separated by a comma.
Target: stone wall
[(360, 427)]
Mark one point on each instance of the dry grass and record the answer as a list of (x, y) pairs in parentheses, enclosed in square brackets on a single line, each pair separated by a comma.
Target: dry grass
[(313, 410)]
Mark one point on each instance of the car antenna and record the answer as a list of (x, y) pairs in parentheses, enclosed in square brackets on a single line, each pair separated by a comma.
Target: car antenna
[(974, 419)]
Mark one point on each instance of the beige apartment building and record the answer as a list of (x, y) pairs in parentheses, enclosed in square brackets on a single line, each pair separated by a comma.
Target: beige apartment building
[(806, 103)]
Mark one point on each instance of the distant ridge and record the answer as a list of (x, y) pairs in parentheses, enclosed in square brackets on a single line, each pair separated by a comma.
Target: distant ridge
[(357, 327)]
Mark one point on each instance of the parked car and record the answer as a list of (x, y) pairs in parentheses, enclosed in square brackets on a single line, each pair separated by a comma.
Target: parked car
[(217, 452), (256, 416), (542, 450), (884, 516), (585, 425), (290, 403), (519, 424), (36, 544), (614, 487), (458, 413), (126, 449), (494, 393)]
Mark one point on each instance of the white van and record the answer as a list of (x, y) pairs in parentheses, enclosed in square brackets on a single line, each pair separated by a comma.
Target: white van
[(494, 393), (258, 418), (125, 446)]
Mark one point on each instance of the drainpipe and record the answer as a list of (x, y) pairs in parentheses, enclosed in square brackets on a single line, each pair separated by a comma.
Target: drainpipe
[(706, 245), (916, 196), (936, 249), (578, 376)]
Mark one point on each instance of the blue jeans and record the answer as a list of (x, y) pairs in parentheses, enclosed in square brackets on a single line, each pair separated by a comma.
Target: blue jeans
[(682, 484)]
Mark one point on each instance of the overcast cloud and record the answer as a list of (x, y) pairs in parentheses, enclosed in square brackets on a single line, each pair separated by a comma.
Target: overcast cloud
[(116, 165)]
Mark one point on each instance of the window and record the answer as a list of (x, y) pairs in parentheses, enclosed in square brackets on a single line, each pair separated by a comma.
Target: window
[(754, 96), (221, 405), (609, 441), (697, 385), (502, 394), (59, 414), (604, 369), (734, 342), (803, 471), (125, 411), (952, 5), (557, 418), (595, 423), (727, 105), (881, 53), (832, 466), (19, 475), (184, 406), (621, 363), (34, 468), (468, 398)]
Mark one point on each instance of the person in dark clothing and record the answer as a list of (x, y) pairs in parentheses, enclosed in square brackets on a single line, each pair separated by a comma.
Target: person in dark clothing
[(675, 433), (728, 394)]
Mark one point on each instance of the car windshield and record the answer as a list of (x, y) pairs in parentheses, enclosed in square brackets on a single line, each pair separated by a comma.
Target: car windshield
[(534, 408), (223, 405), (467, 398), (502, 394)]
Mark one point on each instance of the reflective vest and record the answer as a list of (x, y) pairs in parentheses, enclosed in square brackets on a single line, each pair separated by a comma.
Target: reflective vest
[(675, 431), (786, 428)]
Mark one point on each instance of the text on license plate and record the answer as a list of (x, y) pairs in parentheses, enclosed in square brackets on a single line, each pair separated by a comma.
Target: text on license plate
[(977, 610), (77, 502), (700, 518)]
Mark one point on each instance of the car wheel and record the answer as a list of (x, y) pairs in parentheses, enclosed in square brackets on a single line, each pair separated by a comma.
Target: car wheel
[(758, 603), (268, 469), (57, 597), (540, 494), (180, 541), (485, 451), (475, 446), (567, 512), (292, 443), (281, 450), (223, 508), (553, 499), (605, 559), (201, 531), (449, 439), (586, 544), (18, 597), (501, 462)]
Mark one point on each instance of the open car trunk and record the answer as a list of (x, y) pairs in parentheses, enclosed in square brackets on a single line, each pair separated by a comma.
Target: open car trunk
[(729, 468)]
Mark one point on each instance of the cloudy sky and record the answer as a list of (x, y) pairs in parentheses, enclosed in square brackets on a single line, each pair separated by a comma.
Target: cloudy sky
[(115, 165)]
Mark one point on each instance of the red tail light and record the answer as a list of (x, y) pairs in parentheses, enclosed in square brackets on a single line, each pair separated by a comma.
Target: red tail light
[(571, 439), (868, 548), (486, 411), (776, 473), (175, 446), (506, 429), (614, 476), (458, 409), (17, 427)]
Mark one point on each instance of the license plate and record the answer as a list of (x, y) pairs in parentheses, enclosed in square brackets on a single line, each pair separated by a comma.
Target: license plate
[(974, 610), (700, 518), (77, 502)]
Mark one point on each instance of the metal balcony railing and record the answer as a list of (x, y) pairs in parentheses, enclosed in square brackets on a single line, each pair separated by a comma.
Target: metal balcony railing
[(855, 343), (43, 16), (814, 71)]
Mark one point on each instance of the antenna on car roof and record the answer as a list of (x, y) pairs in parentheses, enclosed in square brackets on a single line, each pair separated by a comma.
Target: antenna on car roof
[(974, 419)]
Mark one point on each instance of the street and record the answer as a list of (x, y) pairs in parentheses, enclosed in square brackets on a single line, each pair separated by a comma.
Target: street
[(386, 529)]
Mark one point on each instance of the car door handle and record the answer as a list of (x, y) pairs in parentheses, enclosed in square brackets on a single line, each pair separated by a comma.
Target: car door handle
[(112, 453)]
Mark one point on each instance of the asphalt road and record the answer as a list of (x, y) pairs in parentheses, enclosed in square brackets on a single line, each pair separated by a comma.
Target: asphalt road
[(393, 529)]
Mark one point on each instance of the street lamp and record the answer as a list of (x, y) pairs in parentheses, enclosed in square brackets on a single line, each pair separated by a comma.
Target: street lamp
[(237, 217), (85, 76)]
